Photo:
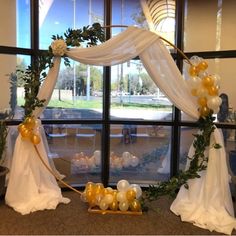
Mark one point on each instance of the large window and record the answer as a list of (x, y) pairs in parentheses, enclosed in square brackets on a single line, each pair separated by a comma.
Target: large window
[(111, 123)]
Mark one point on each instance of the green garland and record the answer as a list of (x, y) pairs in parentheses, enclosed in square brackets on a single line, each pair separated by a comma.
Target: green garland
[(34, 74), (198, 163)]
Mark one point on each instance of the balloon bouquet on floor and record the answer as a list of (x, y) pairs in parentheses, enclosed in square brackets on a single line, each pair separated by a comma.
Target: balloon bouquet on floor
[(124, 199)]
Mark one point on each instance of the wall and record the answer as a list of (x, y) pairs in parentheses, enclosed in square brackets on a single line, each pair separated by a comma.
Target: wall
[(7, 38)]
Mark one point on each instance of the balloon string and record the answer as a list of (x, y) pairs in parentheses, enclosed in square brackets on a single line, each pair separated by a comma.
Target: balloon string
[(167, 41), (49, 169)]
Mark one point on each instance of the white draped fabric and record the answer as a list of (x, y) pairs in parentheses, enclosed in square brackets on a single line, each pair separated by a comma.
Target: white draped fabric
[(27, 171)]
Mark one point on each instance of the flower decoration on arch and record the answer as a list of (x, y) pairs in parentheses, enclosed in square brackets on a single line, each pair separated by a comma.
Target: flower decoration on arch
[(59, 47)]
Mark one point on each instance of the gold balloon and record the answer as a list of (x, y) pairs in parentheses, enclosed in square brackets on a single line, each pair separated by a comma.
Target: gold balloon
[(35, 139), (135, 205), (92, 202), (89, 186), (26, 133), (130, 195), (113, 206), (193, 70), (21, 127), (90, 196), (207, 81), (99, 188), (29, 122), (204, 111), (213, 90), (202, 65), (202, 101)]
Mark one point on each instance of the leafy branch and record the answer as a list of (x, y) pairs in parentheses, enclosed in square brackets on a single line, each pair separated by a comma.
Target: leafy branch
[(34, 74), (198, 163)]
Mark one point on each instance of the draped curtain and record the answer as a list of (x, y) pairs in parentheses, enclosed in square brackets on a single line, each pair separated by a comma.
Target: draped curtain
[(32, 188)]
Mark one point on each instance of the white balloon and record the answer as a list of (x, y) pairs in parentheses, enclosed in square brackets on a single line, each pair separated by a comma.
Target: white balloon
[(103, 205), (214, 102), (216, 110), (97, 157), (121, 196), (126, 155), (122, 185), (124, 206), (137, 189), (126, 162), (134, 161)]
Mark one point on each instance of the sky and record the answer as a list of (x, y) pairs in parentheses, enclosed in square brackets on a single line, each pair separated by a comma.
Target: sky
[(59, 15)]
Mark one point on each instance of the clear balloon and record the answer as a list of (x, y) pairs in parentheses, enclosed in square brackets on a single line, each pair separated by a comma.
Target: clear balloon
[(195, 60), (194, 82), (216, 79), (137, 189)]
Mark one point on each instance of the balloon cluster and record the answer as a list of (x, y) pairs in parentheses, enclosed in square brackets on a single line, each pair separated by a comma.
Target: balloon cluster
[(204, 86), (124, 161), (82, 162), (29, 130), (124, 198)]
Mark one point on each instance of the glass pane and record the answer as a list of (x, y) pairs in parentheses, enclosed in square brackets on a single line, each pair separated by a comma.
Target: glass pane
[(75, 151), (15, 23), (139, 153), (214, 30), (223, 68), (79, 13), (135, 96), (77, 94), (186, 139), (11, 90), (230, 147), (127, 12)]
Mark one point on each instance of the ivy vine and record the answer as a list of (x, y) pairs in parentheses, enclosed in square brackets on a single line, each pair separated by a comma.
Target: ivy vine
[(198, 163)]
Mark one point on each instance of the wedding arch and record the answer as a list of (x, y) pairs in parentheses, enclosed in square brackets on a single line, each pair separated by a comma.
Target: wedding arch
[(206, 203)]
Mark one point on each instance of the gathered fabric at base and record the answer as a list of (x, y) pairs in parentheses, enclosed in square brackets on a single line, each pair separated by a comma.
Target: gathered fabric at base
[(207, 203), (31, 186)]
